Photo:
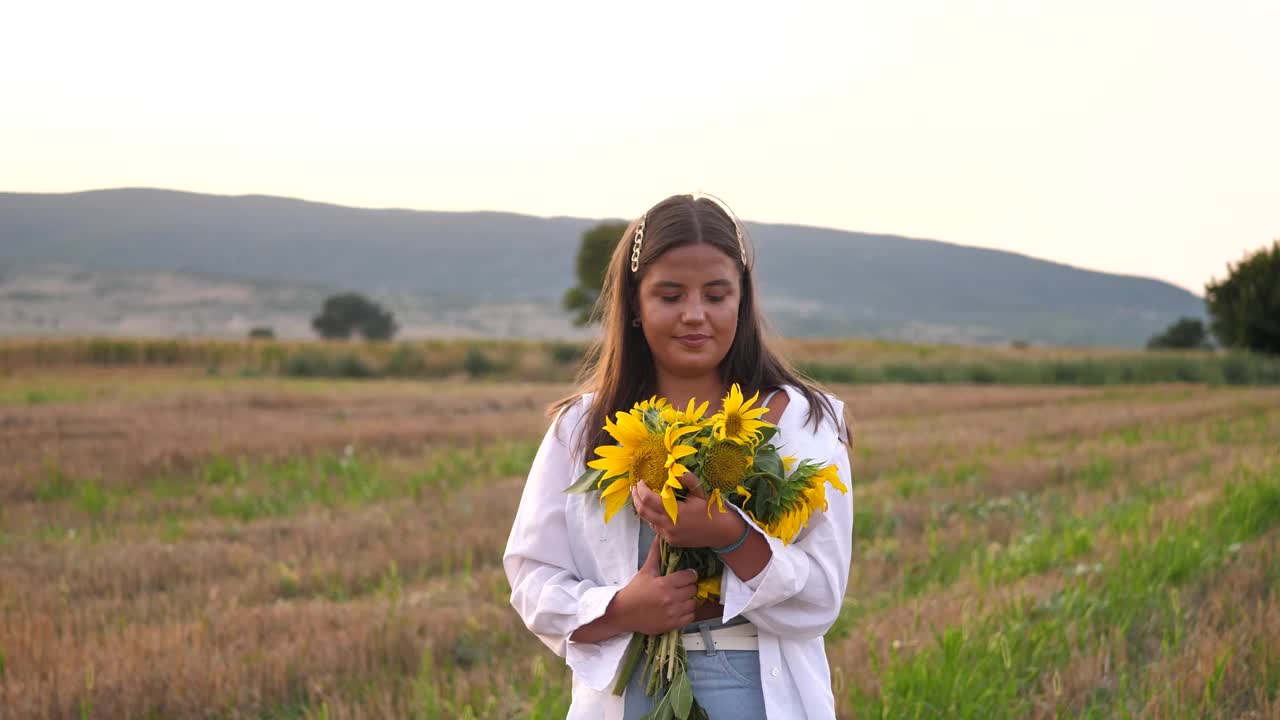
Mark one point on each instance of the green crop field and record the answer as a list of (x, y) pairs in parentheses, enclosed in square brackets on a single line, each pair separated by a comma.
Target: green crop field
[(180, 537)]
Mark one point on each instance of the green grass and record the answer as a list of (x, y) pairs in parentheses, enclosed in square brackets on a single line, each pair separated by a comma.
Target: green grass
[(244, 491), (55, 486), (539, 693), (992, 668), (557, 361), (1127, 369), (41, 395), (1051, 537), (547, 695), (283, 488)]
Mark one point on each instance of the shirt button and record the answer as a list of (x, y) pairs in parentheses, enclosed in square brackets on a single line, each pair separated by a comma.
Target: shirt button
[(774, 672)]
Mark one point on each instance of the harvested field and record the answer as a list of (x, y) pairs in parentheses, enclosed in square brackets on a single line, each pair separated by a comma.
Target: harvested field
[(174, 544)]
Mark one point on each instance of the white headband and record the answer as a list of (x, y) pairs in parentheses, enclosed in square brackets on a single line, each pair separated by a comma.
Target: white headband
[(696, 195)]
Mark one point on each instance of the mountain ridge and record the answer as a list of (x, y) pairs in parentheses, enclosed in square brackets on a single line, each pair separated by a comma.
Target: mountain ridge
[(813, 280)]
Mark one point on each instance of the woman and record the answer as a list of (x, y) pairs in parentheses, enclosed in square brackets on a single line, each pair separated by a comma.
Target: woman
[(680, 321)]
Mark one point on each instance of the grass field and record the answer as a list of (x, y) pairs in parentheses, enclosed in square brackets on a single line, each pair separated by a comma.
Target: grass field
[(176, 543), (850, 361)]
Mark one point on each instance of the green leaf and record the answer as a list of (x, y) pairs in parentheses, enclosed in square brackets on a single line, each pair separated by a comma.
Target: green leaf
[(766, 435), (585, 483), (681, 696), (770, 463), (664, 710)]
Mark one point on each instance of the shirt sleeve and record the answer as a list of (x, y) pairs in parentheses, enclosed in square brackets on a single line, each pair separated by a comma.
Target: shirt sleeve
[(547, 588), (800, 592)]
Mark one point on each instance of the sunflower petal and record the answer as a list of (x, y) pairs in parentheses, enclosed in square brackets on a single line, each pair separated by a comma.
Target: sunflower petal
[(669, 502), (612, 468), (614, 497), (680, 451), (674, 474)]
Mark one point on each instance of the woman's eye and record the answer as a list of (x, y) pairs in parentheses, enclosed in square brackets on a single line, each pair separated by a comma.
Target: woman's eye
[(670, 298), (715, 298)]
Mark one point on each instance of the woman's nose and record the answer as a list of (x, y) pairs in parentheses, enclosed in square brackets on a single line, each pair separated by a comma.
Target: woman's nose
[(693, 312)]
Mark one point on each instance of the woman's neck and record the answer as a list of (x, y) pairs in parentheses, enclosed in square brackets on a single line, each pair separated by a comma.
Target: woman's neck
[(678, 390)]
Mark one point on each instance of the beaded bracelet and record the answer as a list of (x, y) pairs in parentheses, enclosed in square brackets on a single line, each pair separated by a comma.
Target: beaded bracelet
[(746, 530)]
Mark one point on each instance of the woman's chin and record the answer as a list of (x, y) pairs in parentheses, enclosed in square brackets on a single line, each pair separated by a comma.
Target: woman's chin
[(690, 364)]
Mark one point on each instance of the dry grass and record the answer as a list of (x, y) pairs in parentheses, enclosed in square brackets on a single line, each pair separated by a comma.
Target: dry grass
[(161, 606), (126, 442)]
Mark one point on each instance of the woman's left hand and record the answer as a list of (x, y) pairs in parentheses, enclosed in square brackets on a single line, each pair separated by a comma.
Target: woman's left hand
[(692, 527)]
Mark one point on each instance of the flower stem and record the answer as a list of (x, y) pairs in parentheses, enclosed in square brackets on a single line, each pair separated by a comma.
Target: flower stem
[(629, 660)]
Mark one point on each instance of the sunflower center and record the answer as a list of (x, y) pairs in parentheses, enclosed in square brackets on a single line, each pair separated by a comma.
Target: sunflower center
[(725, 466), (649, 464), (732, 424)]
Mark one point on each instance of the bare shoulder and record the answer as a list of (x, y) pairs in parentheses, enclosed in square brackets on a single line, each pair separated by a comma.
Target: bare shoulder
[(777, 405)]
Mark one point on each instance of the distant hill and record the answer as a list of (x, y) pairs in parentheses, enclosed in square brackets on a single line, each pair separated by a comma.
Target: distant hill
[(814, 281), (39, 298)]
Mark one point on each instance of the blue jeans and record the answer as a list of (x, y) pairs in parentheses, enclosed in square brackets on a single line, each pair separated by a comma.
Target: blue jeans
[(726, 683)]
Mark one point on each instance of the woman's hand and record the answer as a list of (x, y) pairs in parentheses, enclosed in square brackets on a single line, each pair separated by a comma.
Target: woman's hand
[(653, 603), (692, 527)]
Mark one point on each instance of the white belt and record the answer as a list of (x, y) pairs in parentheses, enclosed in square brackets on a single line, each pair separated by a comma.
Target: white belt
[(734, 637)]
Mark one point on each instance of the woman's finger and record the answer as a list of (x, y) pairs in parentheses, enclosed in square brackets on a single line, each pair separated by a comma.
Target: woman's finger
[(685, 578), (642, 494), (651, 501), (686, 608), (693, 485)]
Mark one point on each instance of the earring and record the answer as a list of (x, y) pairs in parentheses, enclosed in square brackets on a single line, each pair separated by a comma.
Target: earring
[(635, 322)]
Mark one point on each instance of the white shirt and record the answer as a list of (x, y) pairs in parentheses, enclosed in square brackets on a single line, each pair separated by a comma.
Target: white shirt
[(565, 564)]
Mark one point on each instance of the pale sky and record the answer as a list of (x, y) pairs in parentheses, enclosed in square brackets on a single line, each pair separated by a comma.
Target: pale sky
[(1133, 137)]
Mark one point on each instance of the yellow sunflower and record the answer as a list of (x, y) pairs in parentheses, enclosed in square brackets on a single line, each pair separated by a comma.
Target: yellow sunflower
[(830, 474), (723, 469), (653, 403), (788, 525), (642, 455), (737, 422), (813, 498), (708, 589), (689, 416)]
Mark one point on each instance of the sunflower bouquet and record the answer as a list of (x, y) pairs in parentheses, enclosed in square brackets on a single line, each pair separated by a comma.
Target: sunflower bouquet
[(732, 455)]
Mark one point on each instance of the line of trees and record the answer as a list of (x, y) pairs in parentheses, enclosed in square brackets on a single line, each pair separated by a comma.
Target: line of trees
[(1243, 308)]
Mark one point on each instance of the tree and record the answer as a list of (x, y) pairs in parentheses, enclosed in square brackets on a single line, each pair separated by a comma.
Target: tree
[(1245, 307), (593, 259), (346, 313), (1185, 334)]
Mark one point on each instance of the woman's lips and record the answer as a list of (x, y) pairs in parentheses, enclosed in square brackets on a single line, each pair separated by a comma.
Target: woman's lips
[(693, 341)]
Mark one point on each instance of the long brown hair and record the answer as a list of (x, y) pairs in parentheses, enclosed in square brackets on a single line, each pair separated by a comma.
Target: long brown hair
[(619, 367)]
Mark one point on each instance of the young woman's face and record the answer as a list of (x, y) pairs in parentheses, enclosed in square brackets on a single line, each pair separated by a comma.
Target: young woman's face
[(689, 309)]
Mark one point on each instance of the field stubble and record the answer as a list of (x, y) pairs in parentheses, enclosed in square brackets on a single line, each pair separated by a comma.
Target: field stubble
[(295, 549)]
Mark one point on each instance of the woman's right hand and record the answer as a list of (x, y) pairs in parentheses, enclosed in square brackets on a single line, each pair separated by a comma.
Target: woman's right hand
[(653, 603)]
